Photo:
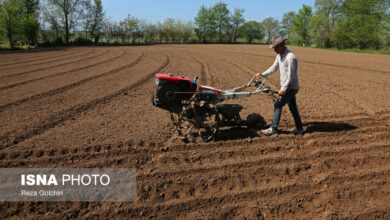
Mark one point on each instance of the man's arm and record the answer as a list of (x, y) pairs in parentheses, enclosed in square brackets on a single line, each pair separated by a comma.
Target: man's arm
[(272, 69)]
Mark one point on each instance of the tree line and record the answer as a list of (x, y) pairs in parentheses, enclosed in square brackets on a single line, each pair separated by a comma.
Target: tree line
[(358, 24)]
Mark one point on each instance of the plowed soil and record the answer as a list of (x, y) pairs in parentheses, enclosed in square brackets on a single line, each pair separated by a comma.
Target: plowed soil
[(90, 107)]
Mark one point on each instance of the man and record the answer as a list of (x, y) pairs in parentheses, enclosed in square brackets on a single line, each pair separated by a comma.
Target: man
[(287, 62)]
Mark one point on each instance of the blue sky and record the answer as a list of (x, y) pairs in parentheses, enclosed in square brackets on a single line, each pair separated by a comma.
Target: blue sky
[(159, 10)]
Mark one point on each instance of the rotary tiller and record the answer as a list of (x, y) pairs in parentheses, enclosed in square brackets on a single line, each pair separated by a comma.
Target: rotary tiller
[(195, 111)]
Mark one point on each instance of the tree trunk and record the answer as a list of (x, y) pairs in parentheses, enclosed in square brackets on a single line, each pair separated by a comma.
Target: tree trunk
[(220, 34), (9, 30), (11, 43), (66, 30), (97, 38), (56, 33), (235, 34)]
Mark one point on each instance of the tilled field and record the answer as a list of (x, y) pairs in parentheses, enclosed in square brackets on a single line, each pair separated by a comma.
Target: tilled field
[(90, 107)]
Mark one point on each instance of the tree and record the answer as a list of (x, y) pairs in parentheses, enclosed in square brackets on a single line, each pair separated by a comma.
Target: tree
[(122, 32), (237, 20), (386, 29), (140, 31), (183, 30), (205, 24), (341, 35), (287, 25), (131, 26), (222, 19), (188, 30), (324, 21), (301, 25), (363, 22), (30, 24), (87, 20), (97, 17), (108, 30), (252, 30), (170, 29), (271, 27), (160, 32), (10, 19), (50, 16), (115, 31), (70, 12), (150, 33)]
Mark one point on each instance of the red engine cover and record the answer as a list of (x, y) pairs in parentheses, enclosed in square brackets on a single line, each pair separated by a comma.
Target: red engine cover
[(173, 78)]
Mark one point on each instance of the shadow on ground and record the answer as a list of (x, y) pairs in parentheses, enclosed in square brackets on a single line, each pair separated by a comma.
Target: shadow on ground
[(312, 127), (236, 133)]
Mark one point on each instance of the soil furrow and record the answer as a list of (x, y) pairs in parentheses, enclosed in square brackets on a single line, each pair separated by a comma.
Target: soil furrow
[(357, 103), (200, 159), (63, 72), (293, 204), (215, 185), (98, 114), (245, 68), (315, 138), (318, 63), (286, 191), (156, 158), (43, 57), (69, 86), (70, 113), (55, 66), (205, 71), (233, 164), (48, 61)]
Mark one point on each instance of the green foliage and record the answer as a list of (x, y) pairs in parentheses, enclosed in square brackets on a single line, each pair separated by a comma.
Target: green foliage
[(357, 24), (129, 27), (324, 21), (151, 32), (97, 18), (69, 13), (30, 7), (237, 21), (53, 34), (271, 27), (354, 50), (218, 21), (386, 29), (222, 19), (205, 24), (362, 22), (11, 15), (30, 24), (286, 25), (252, 30), (301, 25), (30, 27)]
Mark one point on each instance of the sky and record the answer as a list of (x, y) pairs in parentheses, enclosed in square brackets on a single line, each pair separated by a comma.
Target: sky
[(186, 10)]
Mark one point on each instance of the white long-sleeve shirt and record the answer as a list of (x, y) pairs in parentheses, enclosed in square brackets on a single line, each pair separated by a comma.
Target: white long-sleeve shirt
[(288, 65)]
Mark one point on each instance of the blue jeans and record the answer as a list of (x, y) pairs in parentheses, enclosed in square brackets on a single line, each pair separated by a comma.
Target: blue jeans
[(287, 98)]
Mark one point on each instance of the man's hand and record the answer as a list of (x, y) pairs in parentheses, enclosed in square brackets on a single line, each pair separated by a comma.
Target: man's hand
[(258, 75), (280, 93)]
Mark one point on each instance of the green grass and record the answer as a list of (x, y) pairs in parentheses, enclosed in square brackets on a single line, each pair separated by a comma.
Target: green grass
[(353, 50), (5, 46)]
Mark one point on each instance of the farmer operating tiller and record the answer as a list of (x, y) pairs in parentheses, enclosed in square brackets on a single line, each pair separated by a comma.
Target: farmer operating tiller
[(287, 62)]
